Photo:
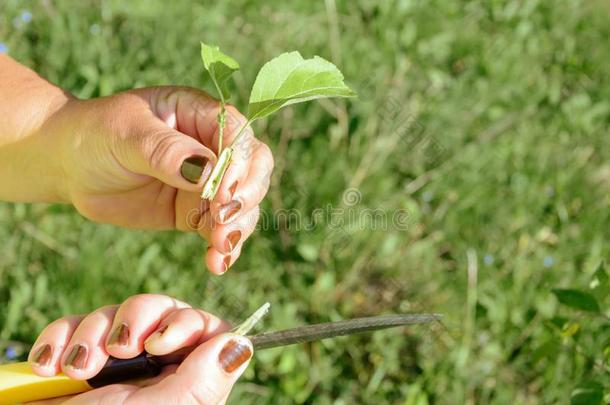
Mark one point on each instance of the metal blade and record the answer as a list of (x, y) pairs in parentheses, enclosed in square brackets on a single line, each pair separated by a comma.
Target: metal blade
[(332, 329)]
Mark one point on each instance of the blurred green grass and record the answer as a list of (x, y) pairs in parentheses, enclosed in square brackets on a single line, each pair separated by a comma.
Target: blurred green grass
[(486, 122)]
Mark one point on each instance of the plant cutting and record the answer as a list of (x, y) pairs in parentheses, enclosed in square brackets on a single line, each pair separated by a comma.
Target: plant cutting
[(284, 80)]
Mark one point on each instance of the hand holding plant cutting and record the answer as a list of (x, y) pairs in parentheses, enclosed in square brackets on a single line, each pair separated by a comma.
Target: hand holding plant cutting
[(137, 159)]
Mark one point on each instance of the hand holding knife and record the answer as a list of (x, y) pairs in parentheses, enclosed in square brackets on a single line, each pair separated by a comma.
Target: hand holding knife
[(18, 383)]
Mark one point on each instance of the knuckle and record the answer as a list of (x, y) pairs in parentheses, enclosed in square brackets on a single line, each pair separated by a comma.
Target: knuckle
[(160, 149), (138, 299)]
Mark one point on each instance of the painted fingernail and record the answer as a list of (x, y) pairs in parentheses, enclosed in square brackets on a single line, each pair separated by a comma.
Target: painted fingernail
[(227, 212), (226, 262), (119, 336), (157, 334), (77, 359), (232, 240), (196, 168), (162, 329), (233, 188), (234, 353), (43, 355)]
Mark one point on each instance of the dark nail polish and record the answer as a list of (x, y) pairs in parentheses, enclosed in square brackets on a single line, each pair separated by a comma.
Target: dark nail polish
[(233, 188), (232, 240), (43, 355), (234, 354), (77, 359), (119, 336), (193, 169), (226, 262), (227, 212)]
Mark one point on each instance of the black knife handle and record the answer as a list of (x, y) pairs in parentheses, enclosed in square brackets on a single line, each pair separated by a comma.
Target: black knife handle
[(119, 370)]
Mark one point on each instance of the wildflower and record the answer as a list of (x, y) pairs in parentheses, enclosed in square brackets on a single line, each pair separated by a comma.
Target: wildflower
[(10, 353), (488, 259), (26, 16), (548, 261), (3, 48)]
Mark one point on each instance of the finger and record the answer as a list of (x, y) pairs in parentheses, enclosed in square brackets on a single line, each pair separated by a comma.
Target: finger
[(207, 375), (48, 349), (136, 319), (182, 328), (226, 238), (85, 354), (168, 155), (219, 263), (240, 160), (249, 192), (189, 211), (173, 142)]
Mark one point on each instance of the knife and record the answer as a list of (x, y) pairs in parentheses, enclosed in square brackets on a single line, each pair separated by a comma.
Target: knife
[(19, 384)]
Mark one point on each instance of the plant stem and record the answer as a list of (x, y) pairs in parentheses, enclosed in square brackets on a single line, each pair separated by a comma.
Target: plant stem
[(240, 133), (221, 125), (224, 160), (211, 186)]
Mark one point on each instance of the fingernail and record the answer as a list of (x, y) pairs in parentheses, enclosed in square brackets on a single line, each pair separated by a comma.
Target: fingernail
[(227, 212), (119, 336), (234, 353), (196, 168), (232, 240), (233, 188), (43, 355), (226, 262), (157, 334), (77, 357)]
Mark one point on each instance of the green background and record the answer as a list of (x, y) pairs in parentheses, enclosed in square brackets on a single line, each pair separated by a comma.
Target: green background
[(481, 136)]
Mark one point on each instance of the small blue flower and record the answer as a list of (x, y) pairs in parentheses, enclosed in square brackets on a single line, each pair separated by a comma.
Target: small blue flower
[(3, 48), (548, 261), (427, 196), (26, 16), (488, 259), (95, 29), (10, 353)]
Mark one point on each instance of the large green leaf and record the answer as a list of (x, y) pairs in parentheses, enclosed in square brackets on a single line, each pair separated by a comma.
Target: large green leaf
[(577, 299), (219, 66), (290, 79)]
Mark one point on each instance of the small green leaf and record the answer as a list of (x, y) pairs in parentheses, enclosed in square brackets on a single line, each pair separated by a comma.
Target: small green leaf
[(587, 393), (290, 79), (570, 329), (308, 251), (577, 299), (600, 277), (220, 67)]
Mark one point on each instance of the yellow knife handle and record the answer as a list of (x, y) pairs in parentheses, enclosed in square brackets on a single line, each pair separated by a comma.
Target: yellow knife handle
[(18, 384)]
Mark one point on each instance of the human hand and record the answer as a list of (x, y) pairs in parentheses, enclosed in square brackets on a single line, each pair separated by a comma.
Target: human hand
[(79, 346), (139, 159)]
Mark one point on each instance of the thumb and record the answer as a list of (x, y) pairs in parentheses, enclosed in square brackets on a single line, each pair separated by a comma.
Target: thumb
[(207, 375), (176, 159)]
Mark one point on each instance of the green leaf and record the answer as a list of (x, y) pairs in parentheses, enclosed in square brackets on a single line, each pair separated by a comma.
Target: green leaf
[(577, 299), (587, 393), (290, 79), (600, 277), (220, 67)]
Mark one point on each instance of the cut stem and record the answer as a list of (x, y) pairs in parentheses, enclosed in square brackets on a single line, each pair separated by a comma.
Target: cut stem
[(249, 323), (211, 186), (224, 160)]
